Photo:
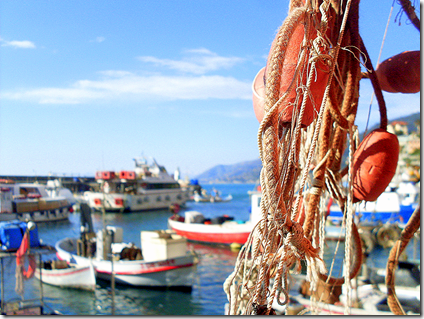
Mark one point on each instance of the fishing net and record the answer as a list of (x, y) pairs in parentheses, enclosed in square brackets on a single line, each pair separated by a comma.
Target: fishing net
[(310, 102)]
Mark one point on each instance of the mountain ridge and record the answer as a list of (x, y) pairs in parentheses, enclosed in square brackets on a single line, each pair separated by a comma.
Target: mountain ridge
[(248, 171)]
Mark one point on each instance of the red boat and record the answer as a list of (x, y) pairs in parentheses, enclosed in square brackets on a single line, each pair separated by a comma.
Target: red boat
[(219, 230)]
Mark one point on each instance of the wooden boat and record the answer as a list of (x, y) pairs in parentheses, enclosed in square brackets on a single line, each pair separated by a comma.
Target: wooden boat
[(218, 230), (162, 261), (60, 273), (32, 202), (148, 187)]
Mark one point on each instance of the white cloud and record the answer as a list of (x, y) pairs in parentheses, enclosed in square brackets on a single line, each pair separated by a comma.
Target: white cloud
[(115, 73), (19, 44), (98, 39), (126, 85), (53, 95), (196, 61), (130, 86)]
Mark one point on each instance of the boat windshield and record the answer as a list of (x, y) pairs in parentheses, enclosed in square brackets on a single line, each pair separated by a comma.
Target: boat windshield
[(149, 186)]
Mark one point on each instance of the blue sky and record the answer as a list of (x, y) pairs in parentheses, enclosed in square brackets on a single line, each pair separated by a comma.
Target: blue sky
[(89, 85)]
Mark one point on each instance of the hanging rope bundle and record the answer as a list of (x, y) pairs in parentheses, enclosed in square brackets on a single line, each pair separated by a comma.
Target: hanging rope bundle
[(306, 100), (304, 70)]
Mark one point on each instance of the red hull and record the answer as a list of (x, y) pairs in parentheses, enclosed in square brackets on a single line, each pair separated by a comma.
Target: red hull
[(215, 238)]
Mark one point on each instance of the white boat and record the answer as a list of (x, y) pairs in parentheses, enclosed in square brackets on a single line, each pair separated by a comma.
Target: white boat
[(148, 187), (372, 302), (32, 202), (55, 189), (165, 261), (381, 220), (162, 261), (60, 273), (196, 228), (372, 299), (394, 205), (213, 197), (219, 230), (409, 196)]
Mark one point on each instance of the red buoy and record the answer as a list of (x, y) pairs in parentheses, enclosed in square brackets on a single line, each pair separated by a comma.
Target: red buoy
[(400, 73), (374, 165), (317, 87)]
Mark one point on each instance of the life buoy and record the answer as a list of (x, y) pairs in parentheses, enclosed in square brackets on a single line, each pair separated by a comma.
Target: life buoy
[(400, 73), (20, 258), (374, 165)]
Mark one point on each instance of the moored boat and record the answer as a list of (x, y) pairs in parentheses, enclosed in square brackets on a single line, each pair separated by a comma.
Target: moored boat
[(213, 197), (153, 268), (60, 273), (380, 221), (385, 209), (394, 205), (162, 261), (409, 195), (370, 298), (227, 232), (148, 187), (31, 202), (219, 230)]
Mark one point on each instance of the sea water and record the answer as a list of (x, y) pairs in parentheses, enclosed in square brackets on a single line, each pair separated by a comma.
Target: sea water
[(216, 264)]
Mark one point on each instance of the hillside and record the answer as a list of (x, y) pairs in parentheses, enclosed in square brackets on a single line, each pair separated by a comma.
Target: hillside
[(410, 119), (244, 172), (248, 172)]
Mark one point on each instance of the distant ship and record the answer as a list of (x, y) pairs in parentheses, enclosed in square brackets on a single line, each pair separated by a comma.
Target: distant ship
[(148, 187)]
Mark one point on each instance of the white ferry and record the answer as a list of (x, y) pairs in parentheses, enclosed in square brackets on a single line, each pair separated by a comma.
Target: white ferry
[(148, 187)]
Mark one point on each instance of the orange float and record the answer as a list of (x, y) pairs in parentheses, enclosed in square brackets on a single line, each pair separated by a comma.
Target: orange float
[(295, 97), (374, 165), (400, 73)]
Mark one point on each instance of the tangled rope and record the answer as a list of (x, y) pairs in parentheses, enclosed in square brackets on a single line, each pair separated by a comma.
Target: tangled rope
[(310, 103), (292, 228)]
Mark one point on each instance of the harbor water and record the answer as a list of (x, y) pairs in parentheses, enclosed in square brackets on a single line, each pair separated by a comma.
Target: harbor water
[(216, 263)]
